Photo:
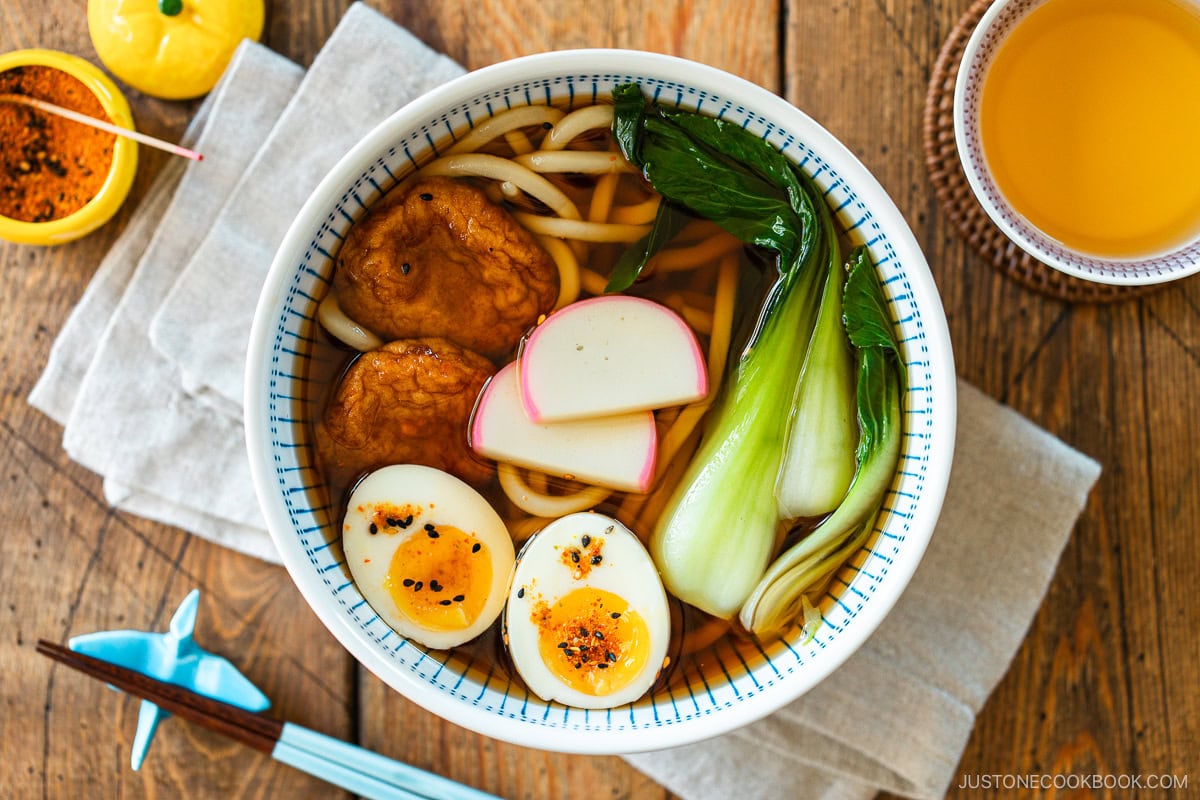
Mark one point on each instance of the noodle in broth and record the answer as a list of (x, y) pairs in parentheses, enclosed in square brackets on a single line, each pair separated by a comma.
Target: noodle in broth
[(561, 176)]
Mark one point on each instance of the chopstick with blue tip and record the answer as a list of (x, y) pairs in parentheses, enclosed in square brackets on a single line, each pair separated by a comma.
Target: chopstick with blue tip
[(343, 764)]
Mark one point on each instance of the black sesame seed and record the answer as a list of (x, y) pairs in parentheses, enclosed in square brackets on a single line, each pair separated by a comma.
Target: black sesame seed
[(392, 522), (475, 547), (575, 556), (602, 665), (547, 126), (611, 656), (583, 632), (562, 645), (586, 540), (616, 615), (409, 581), (458, 598), (445, 603), (404, 523), (578, 665), (426, 196), (520, 592), (435, 586), (433, 534), (597, 559), (374, 528), (598, 635), (405, 267), (420, 585), (428, 526)]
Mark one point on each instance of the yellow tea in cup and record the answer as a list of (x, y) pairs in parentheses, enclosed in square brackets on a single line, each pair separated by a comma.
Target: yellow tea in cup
[(1090, 123)]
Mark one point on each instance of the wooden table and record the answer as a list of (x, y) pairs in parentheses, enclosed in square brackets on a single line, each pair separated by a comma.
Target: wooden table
[(1107, 680)]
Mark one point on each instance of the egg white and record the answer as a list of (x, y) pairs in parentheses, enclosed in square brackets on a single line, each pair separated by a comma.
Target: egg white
[(437, 498), (540, 575)]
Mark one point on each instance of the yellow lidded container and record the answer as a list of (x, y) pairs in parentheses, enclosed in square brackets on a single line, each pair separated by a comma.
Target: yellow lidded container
[(116, 185)]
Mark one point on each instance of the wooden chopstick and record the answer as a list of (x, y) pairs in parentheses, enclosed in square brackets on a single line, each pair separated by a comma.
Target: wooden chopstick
[(104, 125), (355, 768), (249, 728)]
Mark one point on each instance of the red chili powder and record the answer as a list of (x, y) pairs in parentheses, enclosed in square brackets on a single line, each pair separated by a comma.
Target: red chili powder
[(50, 167)]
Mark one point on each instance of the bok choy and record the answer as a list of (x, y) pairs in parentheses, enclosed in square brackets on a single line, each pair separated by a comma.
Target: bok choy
[(818, 462), (714, 539), (801, 573)]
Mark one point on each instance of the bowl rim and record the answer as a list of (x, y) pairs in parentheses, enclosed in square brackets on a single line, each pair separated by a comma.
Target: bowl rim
[(1139, 270), (428, 106), (116, 186)]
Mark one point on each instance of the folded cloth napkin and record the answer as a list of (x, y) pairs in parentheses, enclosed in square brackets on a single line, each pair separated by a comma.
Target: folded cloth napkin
[(170, 448), (163, 454), (162, 424)]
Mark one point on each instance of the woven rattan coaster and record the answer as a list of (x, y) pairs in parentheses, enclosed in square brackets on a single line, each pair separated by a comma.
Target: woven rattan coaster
[(946, 174)]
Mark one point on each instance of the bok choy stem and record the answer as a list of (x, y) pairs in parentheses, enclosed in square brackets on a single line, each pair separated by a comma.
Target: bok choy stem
[(776, 600), (818, 462), (717, 532)]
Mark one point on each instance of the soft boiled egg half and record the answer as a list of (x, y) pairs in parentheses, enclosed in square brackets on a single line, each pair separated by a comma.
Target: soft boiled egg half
[(587, 621), (429, 554)]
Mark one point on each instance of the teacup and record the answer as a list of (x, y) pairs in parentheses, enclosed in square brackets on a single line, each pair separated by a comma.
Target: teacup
[(1075, 121)]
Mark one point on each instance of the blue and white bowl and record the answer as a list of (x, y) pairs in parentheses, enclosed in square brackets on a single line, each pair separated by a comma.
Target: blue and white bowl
[(741, 683)]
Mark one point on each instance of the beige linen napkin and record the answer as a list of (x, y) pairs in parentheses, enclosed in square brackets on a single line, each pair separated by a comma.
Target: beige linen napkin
[(163, 454), (170, 449), (75, 346), (162, 424)]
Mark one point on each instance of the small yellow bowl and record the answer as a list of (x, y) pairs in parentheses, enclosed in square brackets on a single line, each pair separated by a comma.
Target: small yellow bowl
[(116, 186)]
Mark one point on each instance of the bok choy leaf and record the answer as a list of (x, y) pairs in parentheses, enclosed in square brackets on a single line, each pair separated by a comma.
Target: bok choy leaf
[(668, 221)]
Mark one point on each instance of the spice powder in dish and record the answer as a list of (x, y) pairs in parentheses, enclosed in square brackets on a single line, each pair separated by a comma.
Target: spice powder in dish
[(50, 167)]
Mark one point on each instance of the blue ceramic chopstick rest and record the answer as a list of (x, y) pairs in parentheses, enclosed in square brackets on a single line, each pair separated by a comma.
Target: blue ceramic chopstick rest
[(172, 657)]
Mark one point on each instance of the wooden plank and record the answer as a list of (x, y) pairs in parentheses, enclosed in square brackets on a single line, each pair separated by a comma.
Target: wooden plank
[(391, 724), (69, 564), (476, 35), (1098, 686), (1105, 681), (253, 614), (1064, 703), (1166, 654), (59, 563)]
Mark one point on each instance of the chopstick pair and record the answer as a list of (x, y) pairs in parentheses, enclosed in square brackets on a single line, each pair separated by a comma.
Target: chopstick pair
[(343, 764)]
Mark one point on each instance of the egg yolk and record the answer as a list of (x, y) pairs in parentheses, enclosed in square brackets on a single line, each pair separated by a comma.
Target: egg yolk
[(591, 641), (440, 577)]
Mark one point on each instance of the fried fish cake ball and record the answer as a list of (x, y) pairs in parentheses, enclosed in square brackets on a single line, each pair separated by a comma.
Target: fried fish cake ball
[(407, 402), (440, 259)]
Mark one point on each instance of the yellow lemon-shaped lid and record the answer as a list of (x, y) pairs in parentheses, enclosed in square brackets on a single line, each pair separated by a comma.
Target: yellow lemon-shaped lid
[(173, 49)]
